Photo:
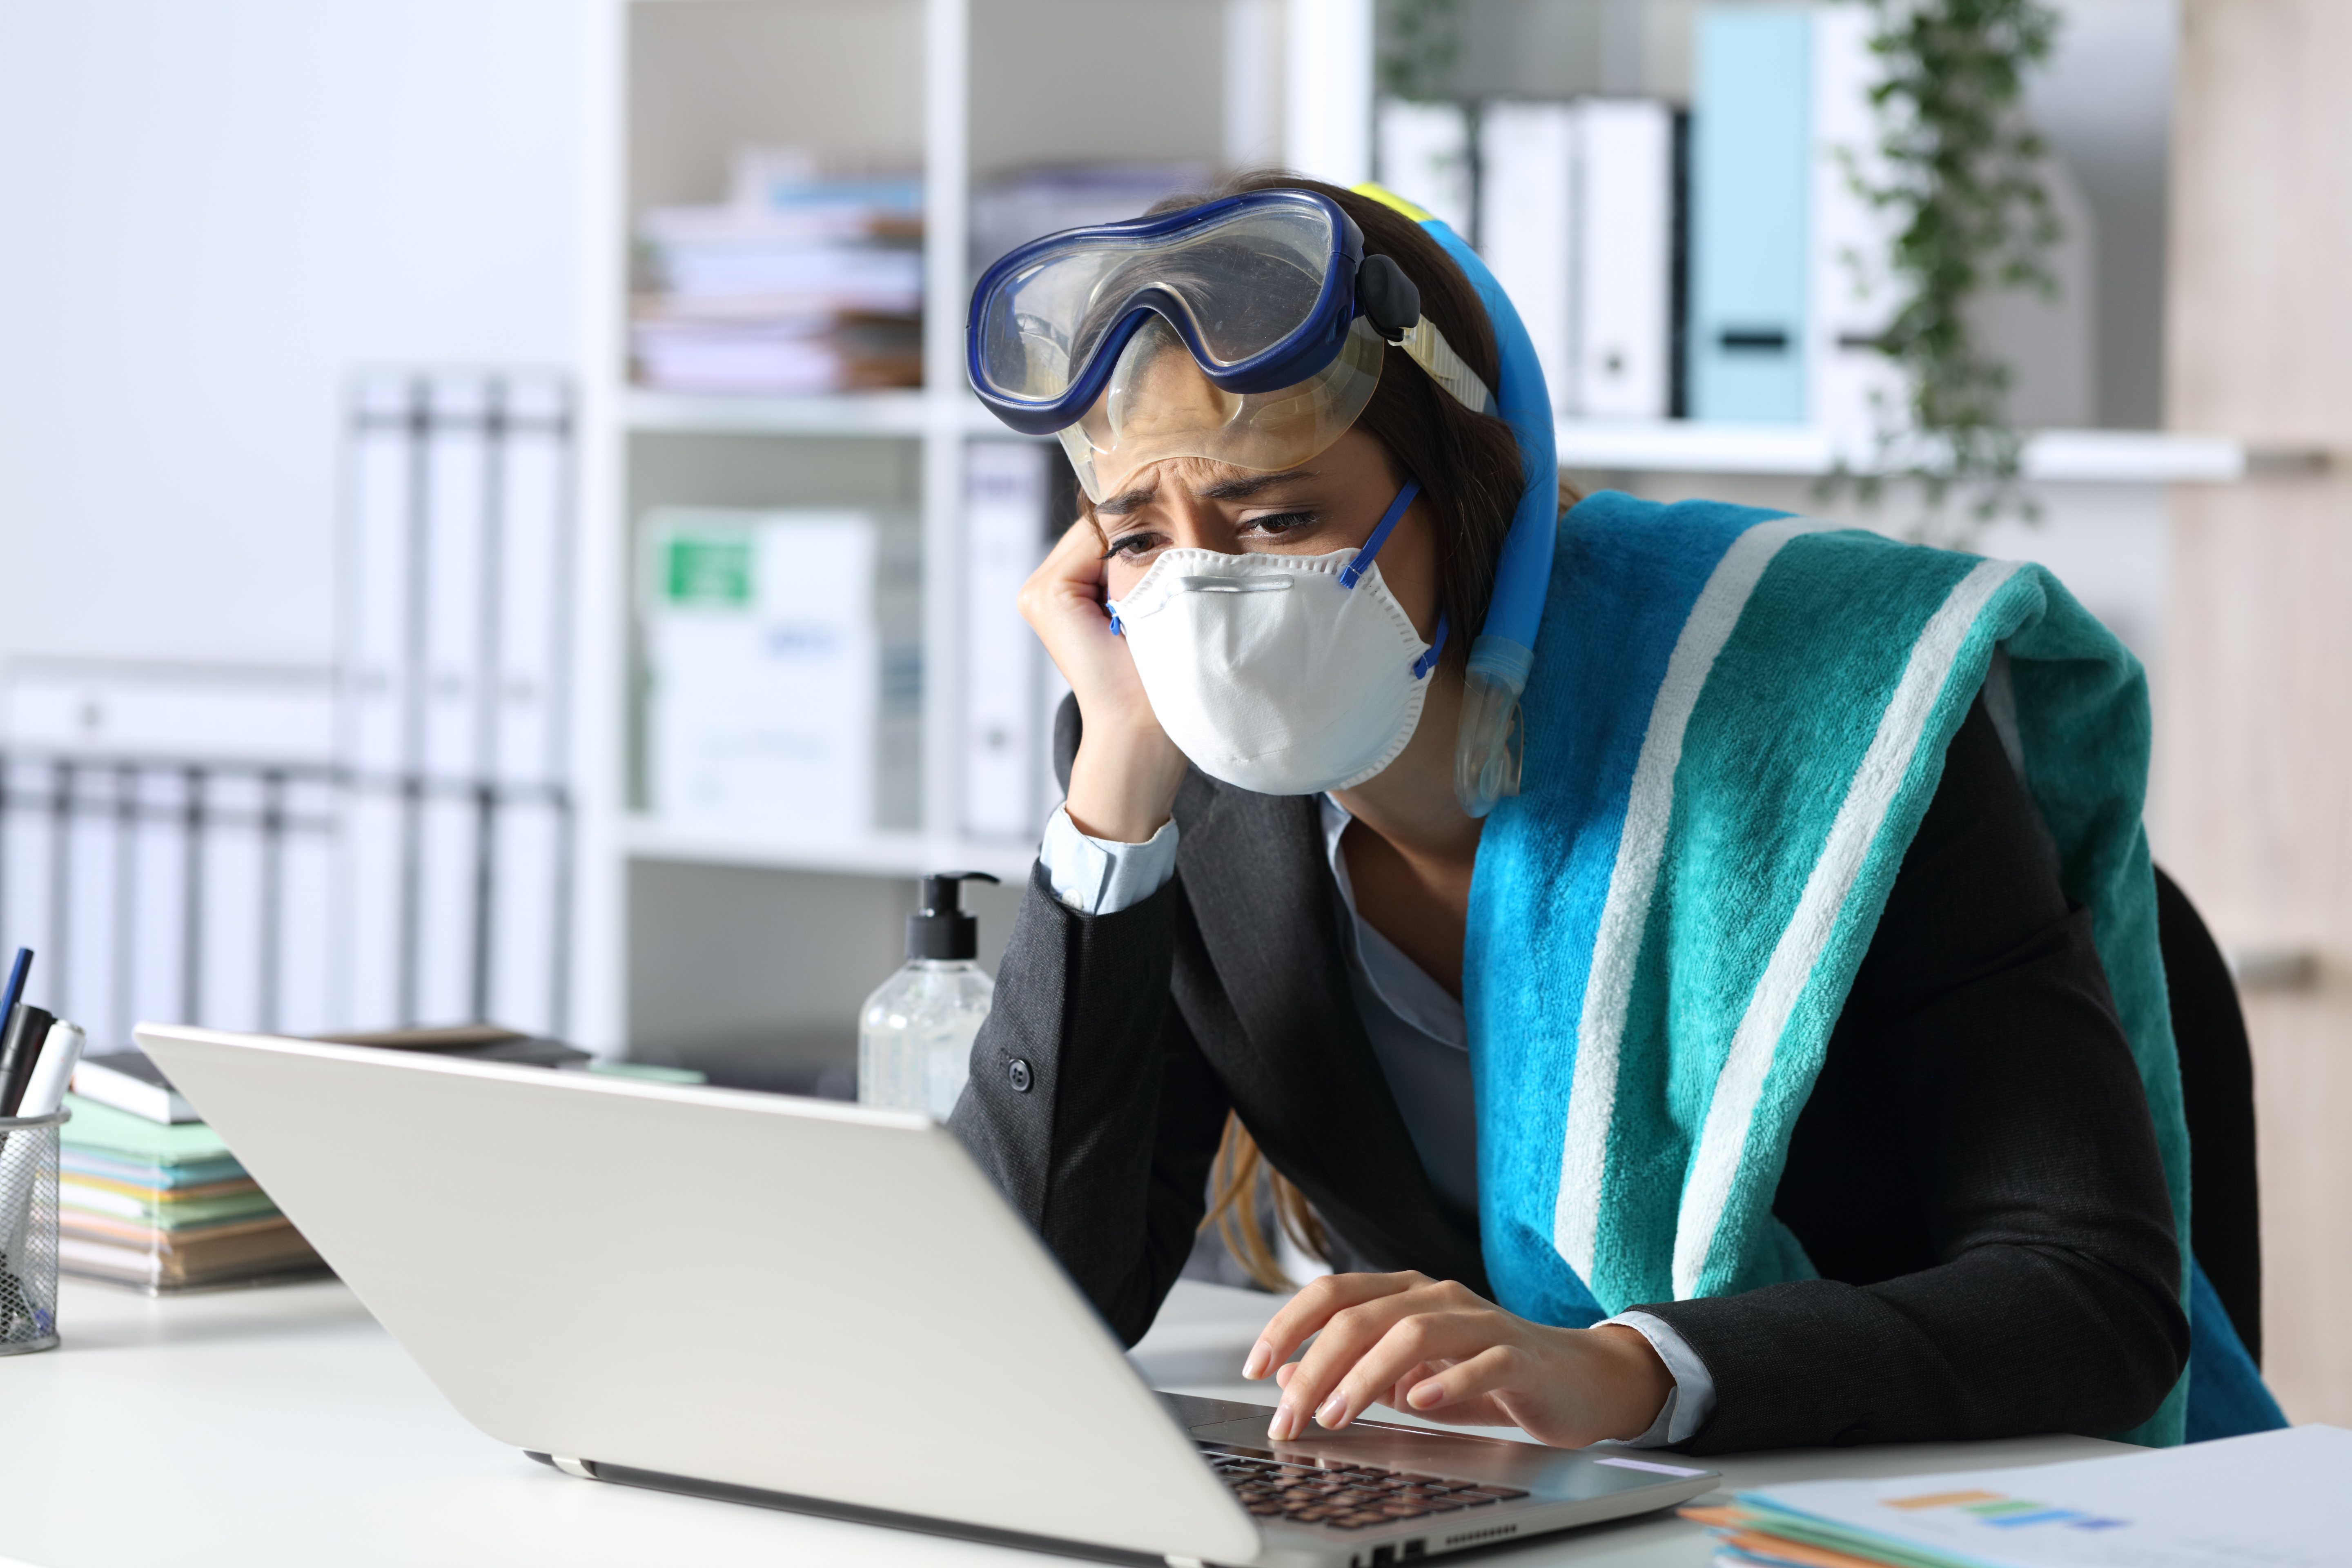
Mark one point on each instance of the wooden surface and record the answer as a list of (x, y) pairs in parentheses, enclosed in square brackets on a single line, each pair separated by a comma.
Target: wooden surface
[(2254, 727)]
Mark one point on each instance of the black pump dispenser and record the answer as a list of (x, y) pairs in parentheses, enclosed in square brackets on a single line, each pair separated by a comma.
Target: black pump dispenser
[(940, 928)]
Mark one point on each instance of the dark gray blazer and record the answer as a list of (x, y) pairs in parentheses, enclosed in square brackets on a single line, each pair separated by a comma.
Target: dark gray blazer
[(1975, 1177)]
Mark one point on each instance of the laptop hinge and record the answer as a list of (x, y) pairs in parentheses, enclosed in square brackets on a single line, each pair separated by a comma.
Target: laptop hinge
[(572, 1466)]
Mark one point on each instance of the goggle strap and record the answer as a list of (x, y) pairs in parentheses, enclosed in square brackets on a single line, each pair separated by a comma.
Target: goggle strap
[(1350, 575), (1430, 351), (1428, 662)]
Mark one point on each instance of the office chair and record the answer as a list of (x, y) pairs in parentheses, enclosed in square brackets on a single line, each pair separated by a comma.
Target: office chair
[(2217, 1090)]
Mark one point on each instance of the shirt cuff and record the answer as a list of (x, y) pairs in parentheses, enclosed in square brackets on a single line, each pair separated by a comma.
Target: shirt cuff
[(1102, 876), (1692, 1399)]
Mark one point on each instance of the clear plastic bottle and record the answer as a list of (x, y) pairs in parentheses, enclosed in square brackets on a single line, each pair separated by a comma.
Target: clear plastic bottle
[(915, 1034)]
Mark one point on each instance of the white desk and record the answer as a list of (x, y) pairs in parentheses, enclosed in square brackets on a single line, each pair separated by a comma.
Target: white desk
[(283, 1427)]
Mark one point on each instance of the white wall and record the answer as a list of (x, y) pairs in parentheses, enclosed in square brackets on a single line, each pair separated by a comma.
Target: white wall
[(214, 211), (2105, 104)]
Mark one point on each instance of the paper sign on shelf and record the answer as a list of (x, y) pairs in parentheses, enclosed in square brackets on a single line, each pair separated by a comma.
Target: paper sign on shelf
[(762, 669)]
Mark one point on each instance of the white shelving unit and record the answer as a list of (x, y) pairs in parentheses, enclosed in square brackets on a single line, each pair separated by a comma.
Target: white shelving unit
[(927, 82), (967, 87), (877, 854)]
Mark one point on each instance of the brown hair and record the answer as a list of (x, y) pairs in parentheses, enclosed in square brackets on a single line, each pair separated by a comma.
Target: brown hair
[(1236, 1176)]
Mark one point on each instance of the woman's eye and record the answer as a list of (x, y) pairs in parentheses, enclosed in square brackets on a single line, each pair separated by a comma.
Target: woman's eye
[(1128, 546), (1281, 522)]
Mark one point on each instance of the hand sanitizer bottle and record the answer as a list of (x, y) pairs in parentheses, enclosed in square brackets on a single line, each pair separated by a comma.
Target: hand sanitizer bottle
[(914, 1037)]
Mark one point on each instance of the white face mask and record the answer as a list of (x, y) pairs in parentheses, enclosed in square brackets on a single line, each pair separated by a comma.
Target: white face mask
[(1281, 674)]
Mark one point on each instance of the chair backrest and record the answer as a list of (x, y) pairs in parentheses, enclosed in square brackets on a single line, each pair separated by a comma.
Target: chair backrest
[(2217, 1090)]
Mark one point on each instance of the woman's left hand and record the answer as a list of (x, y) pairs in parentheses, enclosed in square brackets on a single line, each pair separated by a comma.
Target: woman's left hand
[(1439, 1350)]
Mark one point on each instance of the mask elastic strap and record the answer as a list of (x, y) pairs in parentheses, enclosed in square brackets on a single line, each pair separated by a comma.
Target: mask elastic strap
[(1428, 662), (1354, 571)]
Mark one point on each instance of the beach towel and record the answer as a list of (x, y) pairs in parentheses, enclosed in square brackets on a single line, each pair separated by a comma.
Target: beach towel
[(1736, 722)]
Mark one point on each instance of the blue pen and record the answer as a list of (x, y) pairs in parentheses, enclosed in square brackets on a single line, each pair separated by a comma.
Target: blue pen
[(16, 975)]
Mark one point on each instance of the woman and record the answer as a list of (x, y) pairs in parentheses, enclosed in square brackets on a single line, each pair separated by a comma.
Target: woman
[(1275, 913)]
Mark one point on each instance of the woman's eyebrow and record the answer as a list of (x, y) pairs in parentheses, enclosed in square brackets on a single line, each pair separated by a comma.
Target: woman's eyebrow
[(1247, 485), (1239, 487), (1126, 502)]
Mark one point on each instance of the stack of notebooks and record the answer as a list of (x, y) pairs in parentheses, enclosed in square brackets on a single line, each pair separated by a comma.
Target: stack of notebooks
[(804, 281), (150, 1197), (163, 1205)]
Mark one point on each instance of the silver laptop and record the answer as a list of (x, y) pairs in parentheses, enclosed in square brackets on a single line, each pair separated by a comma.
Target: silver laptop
[(811, 1306)]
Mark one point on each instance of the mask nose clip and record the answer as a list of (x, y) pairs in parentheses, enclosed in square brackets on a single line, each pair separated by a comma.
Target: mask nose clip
[(1262, 582)]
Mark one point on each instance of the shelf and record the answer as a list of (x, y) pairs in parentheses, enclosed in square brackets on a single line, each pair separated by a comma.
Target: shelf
[(1663, 445), (890, 413), (2060, 456), (847, 413), (874, 854)]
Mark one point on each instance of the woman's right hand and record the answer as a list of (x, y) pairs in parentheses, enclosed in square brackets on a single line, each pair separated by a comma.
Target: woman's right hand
[(1123, 783)]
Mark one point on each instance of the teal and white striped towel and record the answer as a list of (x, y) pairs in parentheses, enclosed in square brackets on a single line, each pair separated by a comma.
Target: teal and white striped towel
[(1735, 723)]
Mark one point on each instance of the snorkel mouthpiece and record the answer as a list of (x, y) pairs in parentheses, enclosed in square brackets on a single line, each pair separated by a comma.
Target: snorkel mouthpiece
[(1485, 749)]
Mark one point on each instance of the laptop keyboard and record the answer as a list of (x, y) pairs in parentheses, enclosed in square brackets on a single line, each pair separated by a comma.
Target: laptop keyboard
[(1340, 1495)]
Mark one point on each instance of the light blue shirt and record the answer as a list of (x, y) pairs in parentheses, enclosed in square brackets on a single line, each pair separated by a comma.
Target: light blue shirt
[(1418, 1035)]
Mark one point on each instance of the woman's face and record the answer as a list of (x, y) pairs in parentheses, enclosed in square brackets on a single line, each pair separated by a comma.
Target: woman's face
[(1333, 502)]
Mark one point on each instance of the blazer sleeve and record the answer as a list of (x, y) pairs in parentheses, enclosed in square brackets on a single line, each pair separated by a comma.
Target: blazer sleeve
[(1976, 1174), (1090, 1104)]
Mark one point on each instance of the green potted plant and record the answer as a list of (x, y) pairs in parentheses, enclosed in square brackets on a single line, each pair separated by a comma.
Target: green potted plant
[(1960, 178)]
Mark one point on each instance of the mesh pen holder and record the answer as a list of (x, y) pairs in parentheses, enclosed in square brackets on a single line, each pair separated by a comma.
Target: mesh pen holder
[(28, 1232)]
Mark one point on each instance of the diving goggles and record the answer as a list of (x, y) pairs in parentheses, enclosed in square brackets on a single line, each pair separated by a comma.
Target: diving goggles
[(1247, 331)]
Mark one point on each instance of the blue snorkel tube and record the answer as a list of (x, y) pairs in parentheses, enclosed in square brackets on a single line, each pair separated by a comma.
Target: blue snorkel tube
[(1486, 759)]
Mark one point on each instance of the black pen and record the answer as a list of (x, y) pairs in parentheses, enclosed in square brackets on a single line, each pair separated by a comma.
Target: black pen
[(20, 1042)]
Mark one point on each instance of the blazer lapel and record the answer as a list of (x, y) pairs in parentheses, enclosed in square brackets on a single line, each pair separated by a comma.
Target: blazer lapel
[(1299, 1067)]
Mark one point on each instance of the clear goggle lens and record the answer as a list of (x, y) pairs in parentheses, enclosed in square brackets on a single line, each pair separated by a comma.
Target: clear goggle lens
[(1241, 283)]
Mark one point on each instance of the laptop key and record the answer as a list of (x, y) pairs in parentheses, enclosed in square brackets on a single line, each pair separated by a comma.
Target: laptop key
[(1499, 1493)]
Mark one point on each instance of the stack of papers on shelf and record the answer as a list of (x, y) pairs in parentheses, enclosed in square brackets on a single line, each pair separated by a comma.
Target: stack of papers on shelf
[(2274, 1500), (165, 1207), (804, 281), (1030, 204)]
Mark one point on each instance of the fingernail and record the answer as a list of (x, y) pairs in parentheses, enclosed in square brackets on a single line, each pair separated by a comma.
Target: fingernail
[(1334, 1411), (1279, 1427), (1422, 1395), (1254, 1367)]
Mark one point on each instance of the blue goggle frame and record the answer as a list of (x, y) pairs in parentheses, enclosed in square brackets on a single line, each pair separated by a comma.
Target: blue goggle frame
[(1312, 346)]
